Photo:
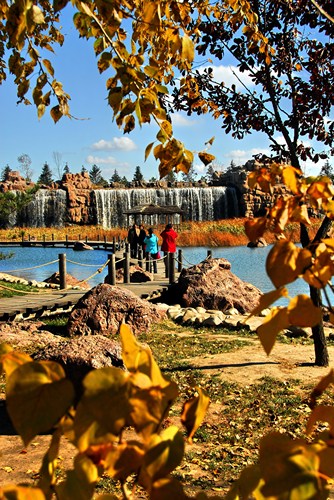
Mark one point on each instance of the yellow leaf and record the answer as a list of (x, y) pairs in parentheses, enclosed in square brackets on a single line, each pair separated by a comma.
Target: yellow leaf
[(11, 492), (321, 413), (38, 395), (188, 51), (255, 228), (267, 299), (302, 312), (194, 411), (166, 126), (168, 488), (321, 387), (210, 141), (206, 158), (163, 456), (285, 262), (272, 324), (123, 460), (10, 360), (148, 150), (289, 175)]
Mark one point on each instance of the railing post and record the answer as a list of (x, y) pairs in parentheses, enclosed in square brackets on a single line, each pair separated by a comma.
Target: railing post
[(114, 244), (166, 257), (111, 278), (209, 254), (140, 257), (171, 266), (66, 240), (62, 271), (179, 261), (126, 267), (43, 240), (105, 242)]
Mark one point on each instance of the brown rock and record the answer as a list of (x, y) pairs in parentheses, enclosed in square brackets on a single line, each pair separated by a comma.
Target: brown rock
[(104, 308), (212, 285), (70, 281), (80, 355), (137, 275)]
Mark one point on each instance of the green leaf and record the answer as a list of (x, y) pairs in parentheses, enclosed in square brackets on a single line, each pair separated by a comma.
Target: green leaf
[(38, 395)]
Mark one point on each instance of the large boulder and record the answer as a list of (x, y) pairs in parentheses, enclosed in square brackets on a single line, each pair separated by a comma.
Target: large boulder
[(80, 355), (212, 285), (104, 308)]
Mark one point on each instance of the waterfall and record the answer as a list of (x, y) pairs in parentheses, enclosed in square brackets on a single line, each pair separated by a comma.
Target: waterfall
[(198, 203), (48, 208)]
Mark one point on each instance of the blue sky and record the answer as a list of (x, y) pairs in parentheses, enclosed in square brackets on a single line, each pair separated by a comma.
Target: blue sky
[(92, 137)]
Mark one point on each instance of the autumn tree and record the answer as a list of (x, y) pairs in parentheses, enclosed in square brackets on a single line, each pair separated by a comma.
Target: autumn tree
[(25, 166), (46, 175), (291, 96)]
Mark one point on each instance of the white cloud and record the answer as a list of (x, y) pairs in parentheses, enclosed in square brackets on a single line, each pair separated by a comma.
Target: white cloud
[(230, 75), (98, 160), (180, 120), (240, 156), (116, 143)]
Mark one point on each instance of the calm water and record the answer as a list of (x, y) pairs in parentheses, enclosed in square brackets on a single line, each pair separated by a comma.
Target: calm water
[(247, 263)]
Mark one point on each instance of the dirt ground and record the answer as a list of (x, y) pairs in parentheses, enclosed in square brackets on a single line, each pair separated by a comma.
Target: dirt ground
[(244, 366)]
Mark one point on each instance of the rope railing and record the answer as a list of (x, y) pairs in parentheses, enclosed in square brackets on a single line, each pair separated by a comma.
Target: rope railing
[(32, 267)]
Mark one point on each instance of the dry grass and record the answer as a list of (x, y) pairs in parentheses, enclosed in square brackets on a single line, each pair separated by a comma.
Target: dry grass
[(221, 233)]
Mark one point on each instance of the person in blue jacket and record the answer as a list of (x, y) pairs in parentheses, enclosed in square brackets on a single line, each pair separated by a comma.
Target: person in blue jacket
[(151, 248)]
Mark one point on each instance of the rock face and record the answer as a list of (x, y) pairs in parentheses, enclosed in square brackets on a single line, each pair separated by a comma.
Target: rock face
[(71, 281), (212, 285), (104, 308), (15, 182), (137, 275), (79, 192), (80, 355)]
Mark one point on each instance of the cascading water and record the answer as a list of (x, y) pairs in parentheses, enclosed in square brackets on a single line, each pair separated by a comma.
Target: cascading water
[(198, 204), (48, 208)]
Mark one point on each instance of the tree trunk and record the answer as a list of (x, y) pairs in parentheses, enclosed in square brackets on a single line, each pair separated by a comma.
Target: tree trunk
[(319, 339)]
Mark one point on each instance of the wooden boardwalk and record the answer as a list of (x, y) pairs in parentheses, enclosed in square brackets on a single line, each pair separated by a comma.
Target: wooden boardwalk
[(43, 303)]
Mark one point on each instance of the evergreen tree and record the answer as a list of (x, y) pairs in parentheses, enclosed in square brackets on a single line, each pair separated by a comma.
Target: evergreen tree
[(138, 176), (66, 169), (210, 174), (5, 173), (46, 176), (190, 176), (327, 170), (124, 181), (96, 177), (83, 170), (115, 177)]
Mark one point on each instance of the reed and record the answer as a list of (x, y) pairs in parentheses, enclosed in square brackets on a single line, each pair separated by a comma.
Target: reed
[(222, 233)]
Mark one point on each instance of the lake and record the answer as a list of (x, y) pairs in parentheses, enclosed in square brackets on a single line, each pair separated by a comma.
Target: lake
[(247, 263)]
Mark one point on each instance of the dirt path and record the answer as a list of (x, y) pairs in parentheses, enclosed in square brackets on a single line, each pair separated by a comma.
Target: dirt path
[(244, 366)]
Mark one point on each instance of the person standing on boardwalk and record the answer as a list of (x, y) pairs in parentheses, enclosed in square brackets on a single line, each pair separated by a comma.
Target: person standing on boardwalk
[(151, 248), (168, 236), (133, 239), (142, 236)]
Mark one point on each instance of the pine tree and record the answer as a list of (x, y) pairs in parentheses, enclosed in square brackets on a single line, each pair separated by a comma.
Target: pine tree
[(124, 181), (83, 170), (66, 169), (190, 176), (5, 173), (46, 176), (115, 177), (138, 176), (327, 170), (96, 177)]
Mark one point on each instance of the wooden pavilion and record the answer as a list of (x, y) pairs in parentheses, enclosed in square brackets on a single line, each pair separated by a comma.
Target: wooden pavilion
[(164, 214)]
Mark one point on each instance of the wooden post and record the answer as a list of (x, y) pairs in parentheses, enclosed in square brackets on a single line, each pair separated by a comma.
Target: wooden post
[(105, 242), (209, 254), (166, 258), (171, 266), (111, 278), (62, 271), (43, 240), (179, 261), (52, 237), (114, 244), (66, 240), (140, 257), (126, 267)]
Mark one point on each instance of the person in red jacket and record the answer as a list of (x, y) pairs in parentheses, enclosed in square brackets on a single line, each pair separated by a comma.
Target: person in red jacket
[(168, 236)]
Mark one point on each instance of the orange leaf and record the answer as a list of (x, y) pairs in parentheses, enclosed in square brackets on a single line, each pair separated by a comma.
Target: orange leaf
[(273, 323)]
